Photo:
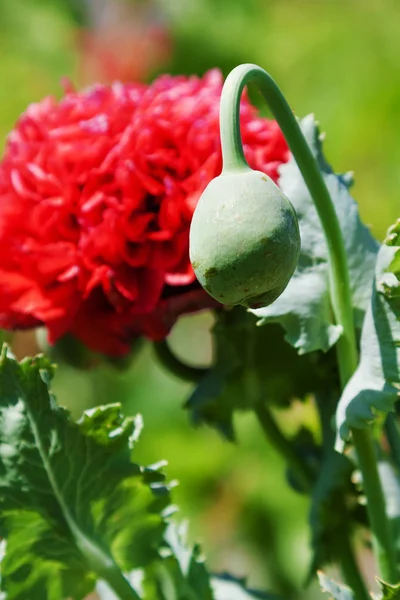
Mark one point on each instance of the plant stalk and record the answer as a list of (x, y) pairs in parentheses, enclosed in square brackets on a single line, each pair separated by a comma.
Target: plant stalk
[(233, 158)]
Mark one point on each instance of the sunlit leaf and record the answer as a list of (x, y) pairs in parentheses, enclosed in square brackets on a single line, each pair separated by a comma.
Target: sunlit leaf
[(71, 499), (375, 384)]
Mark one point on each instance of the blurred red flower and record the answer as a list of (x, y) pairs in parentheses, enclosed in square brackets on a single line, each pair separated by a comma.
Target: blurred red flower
[(121, 53), (96, 196)]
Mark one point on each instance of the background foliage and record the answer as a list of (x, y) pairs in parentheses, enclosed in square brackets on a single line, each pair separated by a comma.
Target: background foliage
[(337, 59)]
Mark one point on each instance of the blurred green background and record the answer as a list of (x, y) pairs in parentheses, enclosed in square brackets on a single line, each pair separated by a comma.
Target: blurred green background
[(336, 58)]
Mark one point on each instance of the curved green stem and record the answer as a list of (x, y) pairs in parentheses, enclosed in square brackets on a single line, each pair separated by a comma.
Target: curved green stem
[(172, 363), (233, 159), (302, 473)]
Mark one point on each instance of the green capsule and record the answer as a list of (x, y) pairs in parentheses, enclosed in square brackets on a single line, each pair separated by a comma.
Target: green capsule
[(244, 239)]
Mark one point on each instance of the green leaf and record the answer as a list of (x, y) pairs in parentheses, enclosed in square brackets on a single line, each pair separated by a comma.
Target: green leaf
[(389, 592), (304, 308), (337, 591), (375, 384), (253, 363), (73, 506)]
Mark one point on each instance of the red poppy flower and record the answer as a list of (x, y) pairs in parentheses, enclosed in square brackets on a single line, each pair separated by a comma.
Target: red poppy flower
[(96, 196)]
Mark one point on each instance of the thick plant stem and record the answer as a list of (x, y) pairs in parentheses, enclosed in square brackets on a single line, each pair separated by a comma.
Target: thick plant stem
[(276, 438), (233, 159)]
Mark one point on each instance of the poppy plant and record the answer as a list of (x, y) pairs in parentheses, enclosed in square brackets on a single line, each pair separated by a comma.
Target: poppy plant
[(97, 196), (97, 192)]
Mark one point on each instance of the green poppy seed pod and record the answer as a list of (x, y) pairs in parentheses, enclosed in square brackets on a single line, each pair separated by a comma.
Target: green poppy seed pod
[(244, 239)]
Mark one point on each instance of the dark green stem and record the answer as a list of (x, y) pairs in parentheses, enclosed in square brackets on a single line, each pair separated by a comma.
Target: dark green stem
[(175, 366), (283, 446), (233, 159), (393, 437)]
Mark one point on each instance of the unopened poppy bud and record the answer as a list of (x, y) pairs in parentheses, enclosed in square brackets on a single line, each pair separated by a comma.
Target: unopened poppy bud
[(244, 239)]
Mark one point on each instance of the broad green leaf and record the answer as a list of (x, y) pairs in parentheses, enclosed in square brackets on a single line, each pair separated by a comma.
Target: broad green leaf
[(304, 308), (73, 505), (375, 384), (337, 591), (253, 363), (389, 592)]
